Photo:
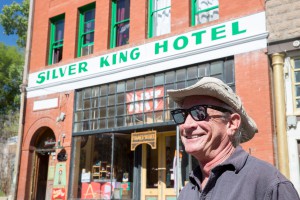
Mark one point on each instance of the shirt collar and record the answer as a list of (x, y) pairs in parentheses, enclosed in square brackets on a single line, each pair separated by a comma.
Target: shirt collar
[(237, 160)]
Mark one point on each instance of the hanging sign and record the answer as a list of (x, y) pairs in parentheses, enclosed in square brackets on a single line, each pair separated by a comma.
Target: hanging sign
[(148, 137)]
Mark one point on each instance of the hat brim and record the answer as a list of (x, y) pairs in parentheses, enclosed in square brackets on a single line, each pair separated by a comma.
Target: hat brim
[(213, 87)]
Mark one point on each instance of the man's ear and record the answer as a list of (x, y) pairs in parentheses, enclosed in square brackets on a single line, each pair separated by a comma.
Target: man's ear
[(233, 124)]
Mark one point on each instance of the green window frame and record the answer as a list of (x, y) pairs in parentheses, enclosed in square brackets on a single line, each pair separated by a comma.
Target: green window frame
[(120, 19), (86, 30), (296, 84), (210, 7), (152, 15), (57, 26)]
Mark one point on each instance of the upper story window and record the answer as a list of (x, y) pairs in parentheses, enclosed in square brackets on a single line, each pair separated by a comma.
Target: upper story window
[(57, 25), (159, 17), (296, 83), (204, 11), (86, 30), (120, 23)]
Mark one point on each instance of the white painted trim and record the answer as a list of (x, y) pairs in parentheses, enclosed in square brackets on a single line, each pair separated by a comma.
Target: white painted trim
[(45, 104), (293, 135)]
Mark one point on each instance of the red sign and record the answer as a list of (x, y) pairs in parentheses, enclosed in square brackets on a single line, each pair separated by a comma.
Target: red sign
[(59, 194), (145, 100)]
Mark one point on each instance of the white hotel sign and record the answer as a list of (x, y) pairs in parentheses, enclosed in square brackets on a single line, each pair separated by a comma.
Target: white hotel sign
[(225, 39)]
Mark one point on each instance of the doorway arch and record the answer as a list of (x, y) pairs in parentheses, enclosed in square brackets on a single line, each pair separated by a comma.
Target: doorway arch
[(44, 143)]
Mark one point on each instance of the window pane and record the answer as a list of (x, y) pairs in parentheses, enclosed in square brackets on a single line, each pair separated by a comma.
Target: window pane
[(123, 7), (103, 90), (297, 63), (102, 112), (121, 87), (216, 68), (112, 88), (120, 110), (111, 100), (152, 167), (122, 34), (88, 38), (139, 83), (192, 73), (297, 76), (89, 26), (162, 18), (159, 79), (111, 112), (229, 71), (180, 75), (297, 103), (59, 30), (87, 104), (170, 77), (207, 11), (95, 91), (130, 85), (103, 101), (79, 101), (120, 98), (297, 87), (203, 70), (89, 15), (95, 102), (57, 55), (149, 81)]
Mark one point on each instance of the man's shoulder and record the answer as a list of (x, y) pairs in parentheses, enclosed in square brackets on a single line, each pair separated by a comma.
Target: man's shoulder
[(263, 170)]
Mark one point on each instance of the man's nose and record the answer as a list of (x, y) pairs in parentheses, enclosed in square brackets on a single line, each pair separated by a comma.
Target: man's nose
[(189, 122)]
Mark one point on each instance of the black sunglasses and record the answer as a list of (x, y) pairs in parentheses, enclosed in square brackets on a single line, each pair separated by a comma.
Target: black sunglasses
[(198, 113)]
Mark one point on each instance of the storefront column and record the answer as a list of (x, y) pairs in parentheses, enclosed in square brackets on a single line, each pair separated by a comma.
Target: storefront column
[(280, 113)]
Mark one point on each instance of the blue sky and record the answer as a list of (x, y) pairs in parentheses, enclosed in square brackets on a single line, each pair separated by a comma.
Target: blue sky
[(8, 40)]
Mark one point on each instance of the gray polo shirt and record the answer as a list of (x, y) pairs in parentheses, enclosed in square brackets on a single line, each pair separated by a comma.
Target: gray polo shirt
[(240, 177)]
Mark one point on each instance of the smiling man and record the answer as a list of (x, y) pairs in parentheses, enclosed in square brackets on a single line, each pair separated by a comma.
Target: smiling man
[(213, 122)]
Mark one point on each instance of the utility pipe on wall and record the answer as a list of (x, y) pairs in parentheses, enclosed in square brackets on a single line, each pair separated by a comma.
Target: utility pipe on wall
[(280, 113)]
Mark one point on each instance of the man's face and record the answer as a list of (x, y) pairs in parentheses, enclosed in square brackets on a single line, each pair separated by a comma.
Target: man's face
[(205, 139)]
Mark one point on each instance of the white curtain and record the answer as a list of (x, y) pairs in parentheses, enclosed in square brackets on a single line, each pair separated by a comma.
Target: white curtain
[(207, 16), (161, 19)]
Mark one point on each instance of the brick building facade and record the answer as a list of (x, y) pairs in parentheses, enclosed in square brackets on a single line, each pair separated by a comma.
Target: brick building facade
[(98, 72)]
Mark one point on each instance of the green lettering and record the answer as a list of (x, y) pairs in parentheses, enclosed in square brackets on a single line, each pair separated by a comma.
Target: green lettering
[(72, 69), (62, 72), (216, 31), (114, 60), (134, 55), (41, 77), (185, 42), (235, 29), (104, 62), (123, 57), (82, 67), (54, 76), (198, 36), (48, 75), (164, 46)]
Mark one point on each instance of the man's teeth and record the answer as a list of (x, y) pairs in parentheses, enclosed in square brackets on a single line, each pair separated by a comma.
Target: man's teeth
[(192, 136)]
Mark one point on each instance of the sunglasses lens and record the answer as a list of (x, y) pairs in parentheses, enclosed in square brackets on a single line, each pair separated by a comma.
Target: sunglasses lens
[(198, 113), (178, 116)]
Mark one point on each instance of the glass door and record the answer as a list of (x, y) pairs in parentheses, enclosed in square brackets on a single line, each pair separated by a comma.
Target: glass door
[(157, 169)]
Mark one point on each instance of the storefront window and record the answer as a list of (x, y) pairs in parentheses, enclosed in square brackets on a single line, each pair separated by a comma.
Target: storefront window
[(103, 167), (141, 101)]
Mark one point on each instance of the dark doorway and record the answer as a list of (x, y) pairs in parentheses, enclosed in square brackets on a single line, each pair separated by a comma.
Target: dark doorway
[(42, 172)]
